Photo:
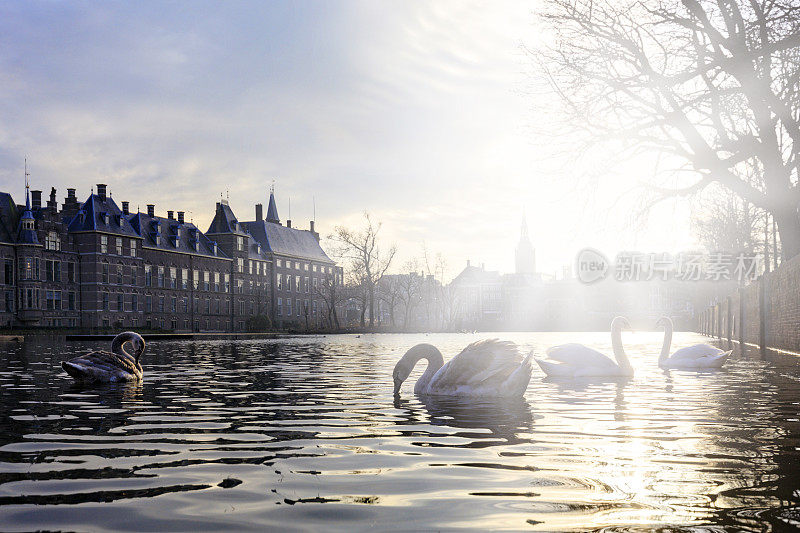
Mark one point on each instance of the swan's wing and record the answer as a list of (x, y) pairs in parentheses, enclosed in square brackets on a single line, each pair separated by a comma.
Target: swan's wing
[(99, 364), (696, 351), (481, 362), (578, 354)]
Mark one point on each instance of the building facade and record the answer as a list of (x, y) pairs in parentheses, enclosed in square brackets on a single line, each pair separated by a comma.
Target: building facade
[(98, 265)]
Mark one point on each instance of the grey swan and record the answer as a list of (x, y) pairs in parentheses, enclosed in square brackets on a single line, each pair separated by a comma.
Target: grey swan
[(109, 367)]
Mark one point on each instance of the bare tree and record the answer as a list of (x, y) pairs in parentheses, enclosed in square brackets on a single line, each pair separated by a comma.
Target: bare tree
[(332, 294), (362, 250), (710, 86)]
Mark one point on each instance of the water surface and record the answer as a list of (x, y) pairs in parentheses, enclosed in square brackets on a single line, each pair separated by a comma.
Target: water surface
[(305, 434)]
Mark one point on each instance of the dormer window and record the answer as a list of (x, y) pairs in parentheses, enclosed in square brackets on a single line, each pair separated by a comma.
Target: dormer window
[(196, 246), (52, 241)]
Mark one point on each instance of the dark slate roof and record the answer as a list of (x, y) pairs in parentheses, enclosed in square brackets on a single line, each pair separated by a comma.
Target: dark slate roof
[(167, 229), (286, 241), (8, 218), (98, 214), (224, 221), (272, 210)]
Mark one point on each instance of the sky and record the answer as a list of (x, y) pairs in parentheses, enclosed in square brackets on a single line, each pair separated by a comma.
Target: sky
[(430, 115)]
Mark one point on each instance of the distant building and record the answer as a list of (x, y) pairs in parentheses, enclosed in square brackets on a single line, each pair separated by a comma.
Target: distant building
[(96, 264)]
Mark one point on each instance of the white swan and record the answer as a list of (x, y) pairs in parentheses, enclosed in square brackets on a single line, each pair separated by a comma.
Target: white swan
[(576, 360), (695, 356), (488, 368), (109, 367)]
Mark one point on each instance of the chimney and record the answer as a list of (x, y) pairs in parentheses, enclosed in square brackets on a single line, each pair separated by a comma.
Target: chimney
[(259, 212), (52, 204), (151, 210), (126, 210), (101, 190), (36, 199), (170, 215), (312, 226), (288, 223), (467, 262), (483, 266), (180, 217), (71, 194)]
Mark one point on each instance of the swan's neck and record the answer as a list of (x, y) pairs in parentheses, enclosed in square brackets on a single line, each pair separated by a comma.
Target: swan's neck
[(619, 351), (435, 362), (118, 346), (667, 341)]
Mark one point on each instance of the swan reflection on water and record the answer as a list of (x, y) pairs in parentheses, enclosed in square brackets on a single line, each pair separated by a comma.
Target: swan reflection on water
[(504, 417)]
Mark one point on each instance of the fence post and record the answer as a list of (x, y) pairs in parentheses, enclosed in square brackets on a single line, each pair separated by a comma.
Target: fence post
[(741, 319), (729, 321), (762, 313)]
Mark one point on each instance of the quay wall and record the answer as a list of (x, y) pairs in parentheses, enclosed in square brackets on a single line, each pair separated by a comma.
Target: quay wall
[(765, 313)]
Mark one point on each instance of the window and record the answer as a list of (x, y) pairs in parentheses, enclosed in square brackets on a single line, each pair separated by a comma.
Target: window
[(10, 302), (297, 283), (148, 304), (71, 301), (173, 275), (305, 307), (184, 278), (306, 285), (280, 282), (53, 299), (120, 281), (280, 304), (174, 306), (103, 244), (314, 308), (305, 267), (227, 282), (52, 242), (120, 302), (104, 277), (9, 273), (240, 244), (148, 276), (105, 301), (119, 245), (279, 262), (71, 272), (297, 306), (296, 265), (161, 303), (240, 265), (288, 307), (239, 286), (206, 280), (52, 270), (133, 248), (208, 306), (160, 278), (196, 279), (216, 281), (134, 302)]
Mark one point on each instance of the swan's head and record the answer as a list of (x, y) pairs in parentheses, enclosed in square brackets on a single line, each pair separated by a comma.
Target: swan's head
[(401, 371), (663, 322), (620, 323)]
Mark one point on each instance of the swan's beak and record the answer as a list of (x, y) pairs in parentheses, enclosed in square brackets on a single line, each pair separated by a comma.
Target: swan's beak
[(397, 384)]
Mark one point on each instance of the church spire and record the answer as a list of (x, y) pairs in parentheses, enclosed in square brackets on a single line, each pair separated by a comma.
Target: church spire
[(525, 253), (272, 209)]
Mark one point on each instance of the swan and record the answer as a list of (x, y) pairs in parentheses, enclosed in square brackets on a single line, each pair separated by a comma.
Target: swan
[(111, 367), (695, 356), (487, 368), (576, 360)]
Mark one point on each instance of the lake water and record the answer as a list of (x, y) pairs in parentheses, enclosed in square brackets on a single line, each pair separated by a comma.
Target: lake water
[(304, 434)]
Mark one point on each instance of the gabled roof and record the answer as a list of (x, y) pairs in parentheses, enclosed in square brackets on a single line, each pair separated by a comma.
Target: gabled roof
[(172, 235), (101, 214), (472, 275), (286, 241), (224, 221)]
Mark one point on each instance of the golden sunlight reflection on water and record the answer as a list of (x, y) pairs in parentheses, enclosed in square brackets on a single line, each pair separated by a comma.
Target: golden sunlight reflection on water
[(304, 433)]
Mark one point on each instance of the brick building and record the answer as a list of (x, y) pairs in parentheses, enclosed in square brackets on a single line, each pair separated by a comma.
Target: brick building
[(99, 265)]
